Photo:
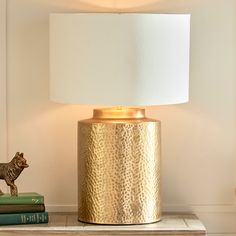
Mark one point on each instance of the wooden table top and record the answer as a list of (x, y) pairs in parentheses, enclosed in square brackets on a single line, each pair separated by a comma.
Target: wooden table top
[(67, 224)]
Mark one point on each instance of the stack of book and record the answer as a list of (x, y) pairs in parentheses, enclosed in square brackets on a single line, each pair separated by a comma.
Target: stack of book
[(26, 208)]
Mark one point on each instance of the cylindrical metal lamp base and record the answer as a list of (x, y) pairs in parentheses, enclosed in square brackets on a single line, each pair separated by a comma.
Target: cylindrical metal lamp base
[(119, 169)]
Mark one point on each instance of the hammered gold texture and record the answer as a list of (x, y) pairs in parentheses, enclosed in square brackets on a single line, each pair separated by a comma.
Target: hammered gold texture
[(119, 171)]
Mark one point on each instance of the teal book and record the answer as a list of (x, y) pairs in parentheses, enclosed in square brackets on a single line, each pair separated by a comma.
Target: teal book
[(22, 198), (24, 218)]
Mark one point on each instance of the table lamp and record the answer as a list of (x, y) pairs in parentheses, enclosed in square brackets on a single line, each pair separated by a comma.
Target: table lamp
[(126, 61)]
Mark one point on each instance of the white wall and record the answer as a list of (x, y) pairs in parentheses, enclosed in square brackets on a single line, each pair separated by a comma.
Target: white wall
[(198, 138)]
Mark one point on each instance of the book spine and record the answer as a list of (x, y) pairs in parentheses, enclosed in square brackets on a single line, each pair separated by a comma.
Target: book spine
[(21, 208), (24, 218), (22, 200)]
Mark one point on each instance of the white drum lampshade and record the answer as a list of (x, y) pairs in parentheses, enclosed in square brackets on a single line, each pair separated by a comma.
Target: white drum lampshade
[(119, 60)]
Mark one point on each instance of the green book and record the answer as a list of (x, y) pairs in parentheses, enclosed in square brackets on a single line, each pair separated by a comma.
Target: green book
[(22, 198), (24, 218), (13, 208)]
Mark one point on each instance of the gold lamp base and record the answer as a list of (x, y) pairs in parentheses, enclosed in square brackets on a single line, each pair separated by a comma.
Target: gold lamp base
[(119, 167)]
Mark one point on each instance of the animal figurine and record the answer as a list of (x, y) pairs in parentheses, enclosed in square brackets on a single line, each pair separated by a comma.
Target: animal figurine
[(11, 170)]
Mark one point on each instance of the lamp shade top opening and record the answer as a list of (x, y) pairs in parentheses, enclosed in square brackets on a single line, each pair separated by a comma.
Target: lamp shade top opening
[(119, 59)]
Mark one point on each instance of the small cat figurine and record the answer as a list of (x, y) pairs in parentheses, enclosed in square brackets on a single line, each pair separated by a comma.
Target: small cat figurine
[(11, 170)]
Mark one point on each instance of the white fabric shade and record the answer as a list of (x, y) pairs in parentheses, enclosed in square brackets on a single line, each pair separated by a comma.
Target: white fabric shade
[(119, 59)]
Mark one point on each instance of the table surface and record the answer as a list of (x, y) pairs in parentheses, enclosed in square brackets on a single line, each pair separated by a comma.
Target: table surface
[(67, 224)]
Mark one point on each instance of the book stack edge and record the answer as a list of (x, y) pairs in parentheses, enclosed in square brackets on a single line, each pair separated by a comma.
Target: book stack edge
[(26, 208)]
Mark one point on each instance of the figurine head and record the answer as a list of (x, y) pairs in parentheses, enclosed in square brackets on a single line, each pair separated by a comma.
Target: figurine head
[(20, 161)]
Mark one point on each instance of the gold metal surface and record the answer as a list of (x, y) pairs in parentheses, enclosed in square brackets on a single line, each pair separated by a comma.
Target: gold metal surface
[(119, 113), (119, 171)]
